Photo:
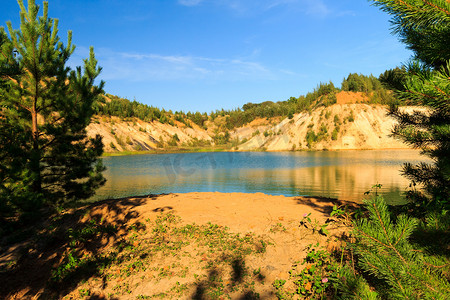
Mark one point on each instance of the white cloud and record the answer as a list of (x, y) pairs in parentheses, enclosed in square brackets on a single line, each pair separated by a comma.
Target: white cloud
[(156, 67), (275, 3), (316, 7), (310, 7), (189, 2)]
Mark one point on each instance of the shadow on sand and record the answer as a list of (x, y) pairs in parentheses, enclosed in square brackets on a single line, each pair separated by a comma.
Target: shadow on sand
[(31, 268)]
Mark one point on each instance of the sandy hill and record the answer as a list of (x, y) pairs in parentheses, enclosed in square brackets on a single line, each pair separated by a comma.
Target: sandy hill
[(351, 123), (337, 127)]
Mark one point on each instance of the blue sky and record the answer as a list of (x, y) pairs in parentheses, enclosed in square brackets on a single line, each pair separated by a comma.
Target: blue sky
[(202, 55)]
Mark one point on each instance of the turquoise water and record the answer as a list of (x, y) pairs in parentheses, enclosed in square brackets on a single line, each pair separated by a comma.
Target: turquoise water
[(339, 174)]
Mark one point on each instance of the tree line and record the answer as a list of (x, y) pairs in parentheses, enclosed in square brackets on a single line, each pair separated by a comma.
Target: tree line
[(323, 95)]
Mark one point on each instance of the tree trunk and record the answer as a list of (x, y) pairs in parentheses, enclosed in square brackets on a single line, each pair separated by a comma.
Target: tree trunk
[(35, 154)]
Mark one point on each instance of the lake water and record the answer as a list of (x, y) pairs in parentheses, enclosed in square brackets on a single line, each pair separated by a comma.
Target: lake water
[(338, 174)]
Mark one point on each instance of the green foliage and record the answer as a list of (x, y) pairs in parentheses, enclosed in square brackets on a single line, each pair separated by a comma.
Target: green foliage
[(324, 89), (197, 118), (323, 95), (119, 140), (278, 283), (125, 108), (173, 142), (351, 285), (311, 138), (315, 278), (313, 281), (74, 261), (128, 140), (360, 83), (278, 227), (371, 86), (222, 138), (385, 251), (335, 133), (393, 78), (337, 120), (428, 130), (45, 154), (314, 225), (351, 117), (424, 26)]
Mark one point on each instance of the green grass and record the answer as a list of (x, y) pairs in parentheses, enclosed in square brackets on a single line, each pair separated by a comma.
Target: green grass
[(209, 255)]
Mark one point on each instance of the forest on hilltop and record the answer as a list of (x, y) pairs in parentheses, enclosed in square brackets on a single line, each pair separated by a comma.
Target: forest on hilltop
[(323, 95)]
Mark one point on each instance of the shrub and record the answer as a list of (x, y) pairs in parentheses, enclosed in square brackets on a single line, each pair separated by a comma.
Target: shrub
[(384, 249), (334, 134), (129, 141), (311, 138), (174, 140)]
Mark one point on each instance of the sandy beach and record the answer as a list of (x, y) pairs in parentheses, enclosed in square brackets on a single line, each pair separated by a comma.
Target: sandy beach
[(274, 219)]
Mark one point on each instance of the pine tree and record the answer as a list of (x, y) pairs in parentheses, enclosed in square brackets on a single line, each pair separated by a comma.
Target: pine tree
[(404, 257), (385, 251), (45, 154), (424, 26)]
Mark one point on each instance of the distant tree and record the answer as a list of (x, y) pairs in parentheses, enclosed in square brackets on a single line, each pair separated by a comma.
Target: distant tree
[(325, 89), (358, 83), (45, 154)]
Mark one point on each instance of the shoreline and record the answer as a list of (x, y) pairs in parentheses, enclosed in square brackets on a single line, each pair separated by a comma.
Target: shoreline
[(213, 150), (238, 211)]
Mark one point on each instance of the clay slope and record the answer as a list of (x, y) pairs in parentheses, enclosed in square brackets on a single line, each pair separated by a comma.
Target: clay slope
[(337, 127), (137, 135)]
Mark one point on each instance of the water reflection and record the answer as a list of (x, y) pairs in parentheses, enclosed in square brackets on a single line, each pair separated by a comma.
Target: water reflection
[(344, 175)]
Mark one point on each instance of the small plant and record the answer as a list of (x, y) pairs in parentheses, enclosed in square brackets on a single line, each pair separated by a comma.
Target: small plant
[(351, 117), (174, 140), (334, 134), (119, 140), (374, 189), (311, 138), (280, 293), (84, 292), (337, 120), (277, 227), (314, 279), (314, 225), (129, 141), (278, 283), (337, 212)]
